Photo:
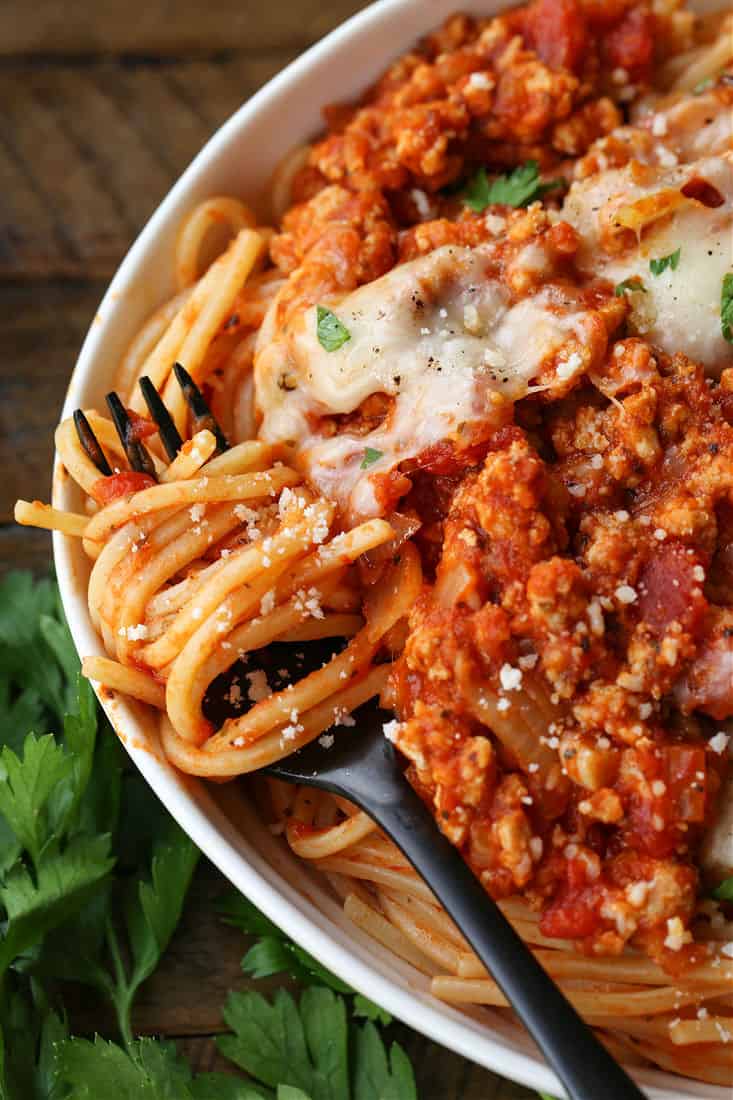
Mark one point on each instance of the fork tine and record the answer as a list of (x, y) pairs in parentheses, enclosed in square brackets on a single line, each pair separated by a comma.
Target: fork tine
[(200, 411), (91, 444), (137, 455), (167, 430)]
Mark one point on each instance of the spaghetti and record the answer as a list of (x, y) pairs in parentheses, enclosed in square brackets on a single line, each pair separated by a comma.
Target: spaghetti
[(473, 441)]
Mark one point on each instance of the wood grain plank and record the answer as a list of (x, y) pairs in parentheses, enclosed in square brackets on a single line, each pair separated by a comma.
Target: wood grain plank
[(164, 26), (24, 548), (86, 154), (41, 331)]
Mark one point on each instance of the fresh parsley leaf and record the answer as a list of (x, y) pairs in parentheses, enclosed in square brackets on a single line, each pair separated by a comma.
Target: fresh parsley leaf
[(726, 307), (64, 880), (658, 266), (724, 890), (283, 1043), (521, 187), (155, 913), (149, 1070), (234, 908), (332, 333), (220, 1086), (22, 602), (275, 953), (377, 1077), (370, 457), (368, 1010), (58, 638), (28, 789), (31, 1031), (43, 787), (19, 712), (267, 957), (152, 912), (27, 661), (632, 285)]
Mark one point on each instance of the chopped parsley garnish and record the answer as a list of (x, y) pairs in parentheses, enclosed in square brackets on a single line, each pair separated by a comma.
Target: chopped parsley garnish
[(370, 457), (672, 261), (703, 85), (332, 333), (724, 892), (519, 188), (726, 307), (631, 285)]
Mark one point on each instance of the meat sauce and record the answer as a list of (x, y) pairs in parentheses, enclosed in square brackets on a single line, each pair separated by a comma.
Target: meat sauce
[(595, 604)]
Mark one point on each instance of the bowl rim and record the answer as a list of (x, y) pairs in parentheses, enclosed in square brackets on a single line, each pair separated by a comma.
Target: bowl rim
[(189, 801)]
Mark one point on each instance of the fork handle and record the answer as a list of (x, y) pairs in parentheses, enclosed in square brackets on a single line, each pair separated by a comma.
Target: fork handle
[(579, 1059)]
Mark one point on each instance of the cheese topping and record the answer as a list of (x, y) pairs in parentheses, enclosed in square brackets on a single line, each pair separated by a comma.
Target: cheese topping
[(680, 310), (439, 336)]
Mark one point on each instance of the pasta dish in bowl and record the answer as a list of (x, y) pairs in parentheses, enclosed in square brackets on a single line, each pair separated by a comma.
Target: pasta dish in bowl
[(470, 385)]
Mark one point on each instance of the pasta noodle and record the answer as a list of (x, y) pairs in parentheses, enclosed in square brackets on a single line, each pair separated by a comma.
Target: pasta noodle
[(453, 455)]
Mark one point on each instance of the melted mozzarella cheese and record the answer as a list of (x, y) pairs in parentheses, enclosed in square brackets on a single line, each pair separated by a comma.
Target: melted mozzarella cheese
[(439, 336), (680, 310), (687, 127)]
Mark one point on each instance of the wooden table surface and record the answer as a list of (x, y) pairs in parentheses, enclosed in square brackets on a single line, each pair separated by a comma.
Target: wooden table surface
[(101, 108)]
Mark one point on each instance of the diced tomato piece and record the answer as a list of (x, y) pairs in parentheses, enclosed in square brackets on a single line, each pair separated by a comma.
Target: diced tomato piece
[(573, 913), (669, 591), (107, 489), (652, 825), (701, 191), (140, 427), (630, 45), (685, 768), (708, 684), (556, 30), (443, 460)]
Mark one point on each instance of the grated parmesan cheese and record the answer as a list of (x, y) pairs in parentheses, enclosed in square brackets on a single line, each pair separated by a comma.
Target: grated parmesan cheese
[(677, 935), (719, 743), (510, 677)]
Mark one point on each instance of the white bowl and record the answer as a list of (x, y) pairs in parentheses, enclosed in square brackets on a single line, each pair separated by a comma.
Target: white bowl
[(239, 160)]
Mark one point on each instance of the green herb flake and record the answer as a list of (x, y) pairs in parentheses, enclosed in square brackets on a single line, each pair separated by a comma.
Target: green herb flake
[(672, 262), (632, 286), (703, 85), (370, 457), (519, 188), (726, 307), (724, 891), (332, 333)]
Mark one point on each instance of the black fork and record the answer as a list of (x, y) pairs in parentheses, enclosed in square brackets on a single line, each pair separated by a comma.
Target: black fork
[(137, 453), (363, 766)]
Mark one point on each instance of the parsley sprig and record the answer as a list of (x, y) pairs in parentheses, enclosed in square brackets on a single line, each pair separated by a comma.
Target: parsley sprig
[(726, 307), (671, 261), (519, 188), (86, 897), (724, 890), (634, 285), (332, 333)]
